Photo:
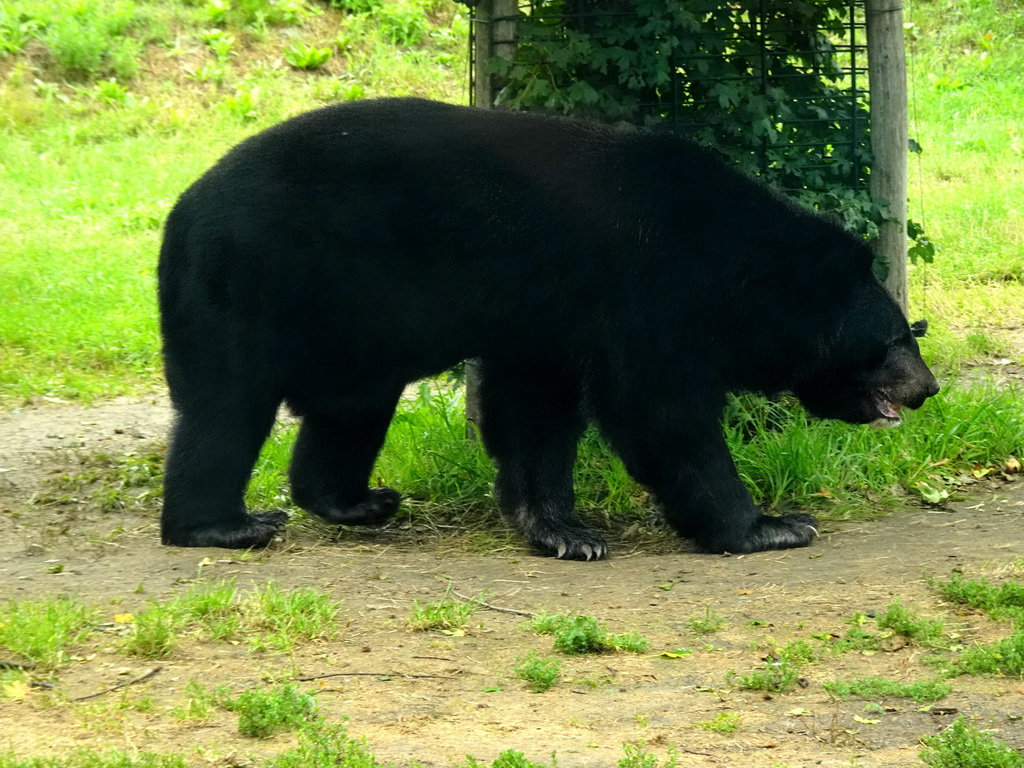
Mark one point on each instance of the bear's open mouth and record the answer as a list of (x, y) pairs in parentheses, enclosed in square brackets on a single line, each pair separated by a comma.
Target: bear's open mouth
[(887, 409)]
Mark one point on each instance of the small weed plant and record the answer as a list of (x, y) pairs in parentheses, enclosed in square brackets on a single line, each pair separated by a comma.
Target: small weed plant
[(447, 614), (326, 746), (902, 621), (707, 624), (1005, 657), (577, 635), (221, 43), (507, 759), (723, 722), (199, 703), (282, 618), (90, 40), (265, 712), (880, 687), (962, 745), (637, 756), (1000, 601), (781, 672), (154, 633), (540, 673), (302, 56), (897, 619)]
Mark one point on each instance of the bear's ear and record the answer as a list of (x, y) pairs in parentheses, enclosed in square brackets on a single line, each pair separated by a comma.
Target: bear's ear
[(920, 328)]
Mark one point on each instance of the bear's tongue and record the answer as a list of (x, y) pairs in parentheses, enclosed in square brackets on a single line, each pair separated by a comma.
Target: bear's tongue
[(886, 407)]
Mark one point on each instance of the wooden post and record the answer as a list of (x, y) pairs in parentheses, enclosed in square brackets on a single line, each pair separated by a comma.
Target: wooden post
[(494, 36), (887, 75)]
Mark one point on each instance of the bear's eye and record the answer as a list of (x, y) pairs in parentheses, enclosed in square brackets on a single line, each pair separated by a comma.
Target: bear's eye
[(878, 355)]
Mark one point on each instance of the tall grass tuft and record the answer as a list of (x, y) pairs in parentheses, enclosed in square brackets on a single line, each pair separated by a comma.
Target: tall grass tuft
[(782, 454), (41, 631)]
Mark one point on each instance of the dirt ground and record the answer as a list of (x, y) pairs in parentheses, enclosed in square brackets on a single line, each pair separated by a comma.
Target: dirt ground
[(436, 698)]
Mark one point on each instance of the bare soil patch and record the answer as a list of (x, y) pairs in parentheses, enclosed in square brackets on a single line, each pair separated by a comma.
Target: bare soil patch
[(433, 697)]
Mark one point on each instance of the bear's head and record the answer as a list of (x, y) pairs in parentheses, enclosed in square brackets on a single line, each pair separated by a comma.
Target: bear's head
[(871, 367)]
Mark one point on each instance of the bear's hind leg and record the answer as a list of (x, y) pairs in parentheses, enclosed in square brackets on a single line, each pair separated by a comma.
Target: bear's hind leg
[(530, 423), (210, 457), (332, 461)]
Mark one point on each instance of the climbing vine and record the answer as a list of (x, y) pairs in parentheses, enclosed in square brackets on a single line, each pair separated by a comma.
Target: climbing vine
[(771, 85)]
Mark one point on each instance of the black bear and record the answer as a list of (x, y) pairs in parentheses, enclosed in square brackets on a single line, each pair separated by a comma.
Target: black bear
[(620, 276)]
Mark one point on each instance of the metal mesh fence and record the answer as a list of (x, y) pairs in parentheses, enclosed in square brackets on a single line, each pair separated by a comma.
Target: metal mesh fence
[(779, 86)]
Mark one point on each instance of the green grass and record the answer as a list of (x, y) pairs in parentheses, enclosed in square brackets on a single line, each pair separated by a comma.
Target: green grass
[(447, 614), (1005, 657), (905, 622), (784, 456), (42, 632), (968, 115), (723, 722), (576, 635), (510, 758), (896, 619), (89, 176), (781, 672), (265, 712), (879, 687), (707, 624), (267, 617), (326, 746), (1000, 601), (199, 703), (963, 745), (539, 672), (113, 758), (154, 633)]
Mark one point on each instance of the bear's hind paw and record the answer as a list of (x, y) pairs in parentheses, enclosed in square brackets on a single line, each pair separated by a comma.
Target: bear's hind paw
[(258, 530)]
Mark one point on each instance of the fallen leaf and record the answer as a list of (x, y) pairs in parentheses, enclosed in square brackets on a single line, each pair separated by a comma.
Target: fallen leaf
[(677, 654), (1013, 465), (866, 720), (744, 591), (798, 712), (16, 690)]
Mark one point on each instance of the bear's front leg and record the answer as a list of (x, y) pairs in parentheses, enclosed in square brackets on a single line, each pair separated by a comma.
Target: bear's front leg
[(686, 464), (704, 499)]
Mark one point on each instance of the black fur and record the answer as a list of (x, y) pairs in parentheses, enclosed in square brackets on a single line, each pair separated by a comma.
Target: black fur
[(620, 276)]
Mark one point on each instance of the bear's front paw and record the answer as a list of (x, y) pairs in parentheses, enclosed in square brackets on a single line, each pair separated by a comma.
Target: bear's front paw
[(567, 542), (377, 508), (257, 530), (766, 532)]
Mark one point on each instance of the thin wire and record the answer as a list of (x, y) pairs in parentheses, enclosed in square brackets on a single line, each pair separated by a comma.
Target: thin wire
[(919, 203)]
